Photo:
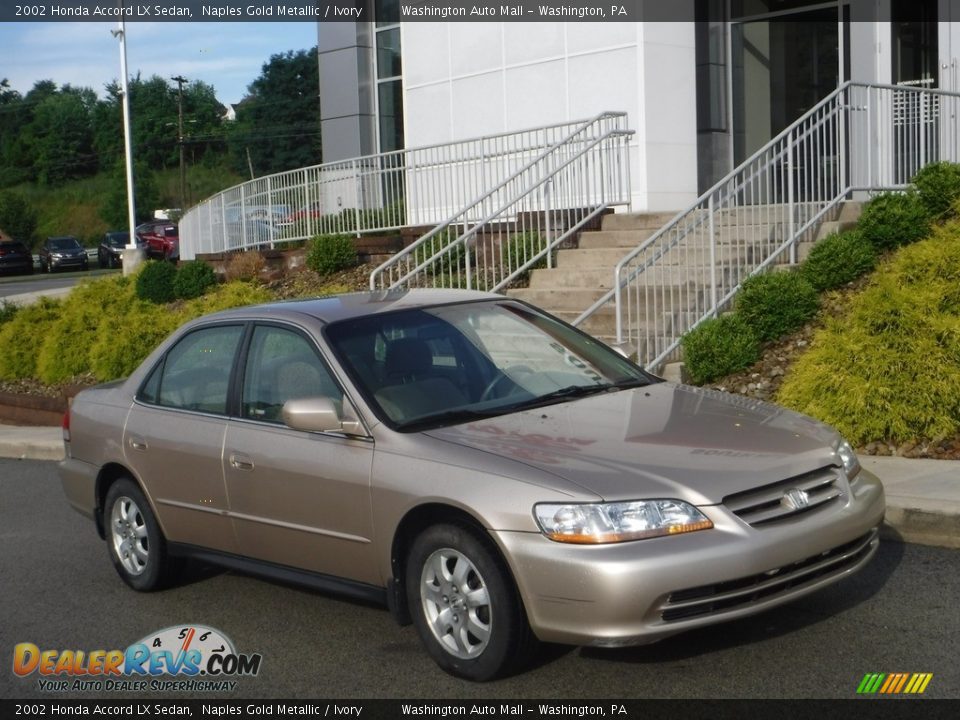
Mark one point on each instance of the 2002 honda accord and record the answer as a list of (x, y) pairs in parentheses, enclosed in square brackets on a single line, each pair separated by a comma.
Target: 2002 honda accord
[(485, 470)]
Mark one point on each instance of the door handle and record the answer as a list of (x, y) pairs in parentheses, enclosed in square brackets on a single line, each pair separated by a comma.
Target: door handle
[(138, 443), (240, 462)]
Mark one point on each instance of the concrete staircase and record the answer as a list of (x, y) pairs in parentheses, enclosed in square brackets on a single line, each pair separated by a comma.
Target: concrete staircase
[(582, 275)]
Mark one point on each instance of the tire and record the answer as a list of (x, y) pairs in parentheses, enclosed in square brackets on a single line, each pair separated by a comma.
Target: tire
[(135, 543), (465, 605)]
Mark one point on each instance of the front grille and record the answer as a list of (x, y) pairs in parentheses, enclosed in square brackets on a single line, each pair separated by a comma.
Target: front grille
[(742, 592), (772, 503)]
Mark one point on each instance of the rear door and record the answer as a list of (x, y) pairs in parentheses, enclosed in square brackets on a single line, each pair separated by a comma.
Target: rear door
[(173, 439)]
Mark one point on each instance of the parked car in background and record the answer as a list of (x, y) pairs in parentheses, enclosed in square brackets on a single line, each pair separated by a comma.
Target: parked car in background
[(259, 233), (110, 251), (313, 210), (15, 257), (61, 253), (475, 464), (160, 238)]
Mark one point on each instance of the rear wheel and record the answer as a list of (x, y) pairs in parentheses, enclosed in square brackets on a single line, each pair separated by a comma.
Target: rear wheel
[(136, 545), (465, 605)]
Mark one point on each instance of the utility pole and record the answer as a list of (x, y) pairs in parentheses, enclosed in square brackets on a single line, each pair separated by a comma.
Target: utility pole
[(180, 80)]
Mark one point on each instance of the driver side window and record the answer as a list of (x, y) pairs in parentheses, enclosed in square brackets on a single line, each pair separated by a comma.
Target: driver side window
[(282, 364)]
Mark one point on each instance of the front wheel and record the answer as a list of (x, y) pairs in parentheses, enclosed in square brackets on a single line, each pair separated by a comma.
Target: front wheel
[(136, 545), (465, 605)]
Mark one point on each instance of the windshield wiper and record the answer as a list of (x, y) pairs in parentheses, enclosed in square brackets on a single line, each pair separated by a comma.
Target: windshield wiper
[(448, 417), (565, 393)]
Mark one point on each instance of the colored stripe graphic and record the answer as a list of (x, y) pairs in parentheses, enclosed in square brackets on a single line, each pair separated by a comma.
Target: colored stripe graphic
[(894, 683)]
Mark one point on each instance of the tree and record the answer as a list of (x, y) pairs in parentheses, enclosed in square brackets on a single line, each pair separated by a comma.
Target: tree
[(17, 218), (146, 195), (279, 120)]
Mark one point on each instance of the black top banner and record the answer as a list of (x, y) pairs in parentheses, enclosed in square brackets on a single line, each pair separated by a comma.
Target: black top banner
[(382, 11), (391, 11)]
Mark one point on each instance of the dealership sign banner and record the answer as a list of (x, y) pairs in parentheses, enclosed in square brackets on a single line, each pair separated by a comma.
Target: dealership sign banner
[(181, 658)]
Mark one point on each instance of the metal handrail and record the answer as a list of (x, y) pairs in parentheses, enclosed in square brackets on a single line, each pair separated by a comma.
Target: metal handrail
[(422, 255), (376, 193), (790, 173)]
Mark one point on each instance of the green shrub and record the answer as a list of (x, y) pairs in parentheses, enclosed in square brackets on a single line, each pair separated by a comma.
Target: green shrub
[(452, 261), (124, 340), (328, 254), (837, 260), (7, 311), (890, 369), (66, 350), (938, 187), (894, 219), (520, 248), (155, 282), (224, 297), (718, 347), (193, 279), (774, 304), (22, 338)]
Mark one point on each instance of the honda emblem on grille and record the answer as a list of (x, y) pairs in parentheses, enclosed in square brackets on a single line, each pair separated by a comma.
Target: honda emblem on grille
[(796, 499)]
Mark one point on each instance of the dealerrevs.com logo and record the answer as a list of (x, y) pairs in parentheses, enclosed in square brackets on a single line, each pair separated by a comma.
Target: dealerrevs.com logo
[(199, 657)]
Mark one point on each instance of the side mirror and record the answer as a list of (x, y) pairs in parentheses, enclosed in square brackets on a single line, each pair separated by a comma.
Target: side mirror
[(320, 414), (626, 349)]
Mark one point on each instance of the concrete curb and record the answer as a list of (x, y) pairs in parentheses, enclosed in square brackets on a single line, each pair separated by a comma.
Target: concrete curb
[(31, 443)]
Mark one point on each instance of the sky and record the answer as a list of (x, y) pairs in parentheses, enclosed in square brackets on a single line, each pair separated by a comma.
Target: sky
[(227, 55)]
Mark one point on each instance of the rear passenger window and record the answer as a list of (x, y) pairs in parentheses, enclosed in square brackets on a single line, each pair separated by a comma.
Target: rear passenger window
[(196, 372)]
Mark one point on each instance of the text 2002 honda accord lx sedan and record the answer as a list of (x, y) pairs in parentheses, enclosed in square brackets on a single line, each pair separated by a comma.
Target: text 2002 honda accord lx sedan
[(482, 468)]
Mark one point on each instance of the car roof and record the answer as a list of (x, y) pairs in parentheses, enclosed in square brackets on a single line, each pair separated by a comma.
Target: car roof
[(353, 305)]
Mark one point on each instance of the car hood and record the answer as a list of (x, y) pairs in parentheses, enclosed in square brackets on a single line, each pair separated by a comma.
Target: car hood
[(658, 441)]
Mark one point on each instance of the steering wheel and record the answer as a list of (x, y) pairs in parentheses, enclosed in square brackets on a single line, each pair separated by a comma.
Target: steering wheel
[(489, 390)]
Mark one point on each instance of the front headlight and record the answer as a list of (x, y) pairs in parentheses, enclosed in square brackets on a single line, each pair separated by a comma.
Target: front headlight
[(851, 465), (598, 523)]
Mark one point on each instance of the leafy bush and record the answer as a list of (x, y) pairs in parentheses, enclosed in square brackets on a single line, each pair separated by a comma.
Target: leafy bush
[(192, 279), (450, 261), (22, 337), (938, 187), (837, 260), (776, 303), (328, 254), (890, 369), (7, 311), (124, 340), (894, 219), (245, 266), (718, 347), (155, 282), (66, 349), (520, 248), (224, 297)]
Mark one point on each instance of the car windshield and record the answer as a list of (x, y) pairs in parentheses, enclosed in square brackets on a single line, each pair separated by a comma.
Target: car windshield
[(118, 239), (63, 243), (430, 367)]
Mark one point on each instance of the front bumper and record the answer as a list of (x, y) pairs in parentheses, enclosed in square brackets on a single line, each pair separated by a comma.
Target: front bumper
[(58, 263), (639, 592)]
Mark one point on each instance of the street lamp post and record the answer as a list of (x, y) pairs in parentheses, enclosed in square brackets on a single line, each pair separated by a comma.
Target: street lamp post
[(132, 254)]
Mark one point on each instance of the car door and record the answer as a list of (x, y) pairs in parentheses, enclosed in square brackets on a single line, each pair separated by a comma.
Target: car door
[(299, 499), (173, 439)]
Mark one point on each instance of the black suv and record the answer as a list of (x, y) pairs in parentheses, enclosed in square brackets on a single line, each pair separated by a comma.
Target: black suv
[(110, 251), (63, 252), (15, 257)]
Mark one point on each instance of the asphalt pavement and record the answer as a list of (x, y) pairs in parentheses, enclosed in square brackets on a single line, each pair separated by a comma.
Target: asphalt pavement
[(59, 591)]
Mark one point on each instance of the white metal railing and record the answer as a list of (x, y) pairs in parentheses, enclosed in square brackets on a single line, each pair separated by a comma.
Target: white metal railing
[(372, 194), (859, 138), (519, 221)]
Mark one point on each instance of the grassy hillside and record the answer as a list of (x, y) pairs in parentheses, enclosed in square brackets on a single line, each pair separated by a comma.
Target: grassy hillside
[(74, 208)]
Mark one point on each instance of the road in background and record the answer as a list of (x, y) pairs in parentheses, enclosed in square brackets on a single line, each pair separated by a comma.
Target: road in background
[(44, 283), (60, 591)]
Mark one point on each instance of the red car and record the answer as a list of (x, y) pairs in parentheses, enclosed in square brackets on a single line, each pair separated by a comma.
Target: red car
[(161, 239)]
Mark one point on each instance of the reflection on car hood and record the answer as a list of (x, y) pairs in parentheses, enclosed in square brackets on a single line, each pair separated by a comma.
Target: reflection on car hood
[(660, 441)]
